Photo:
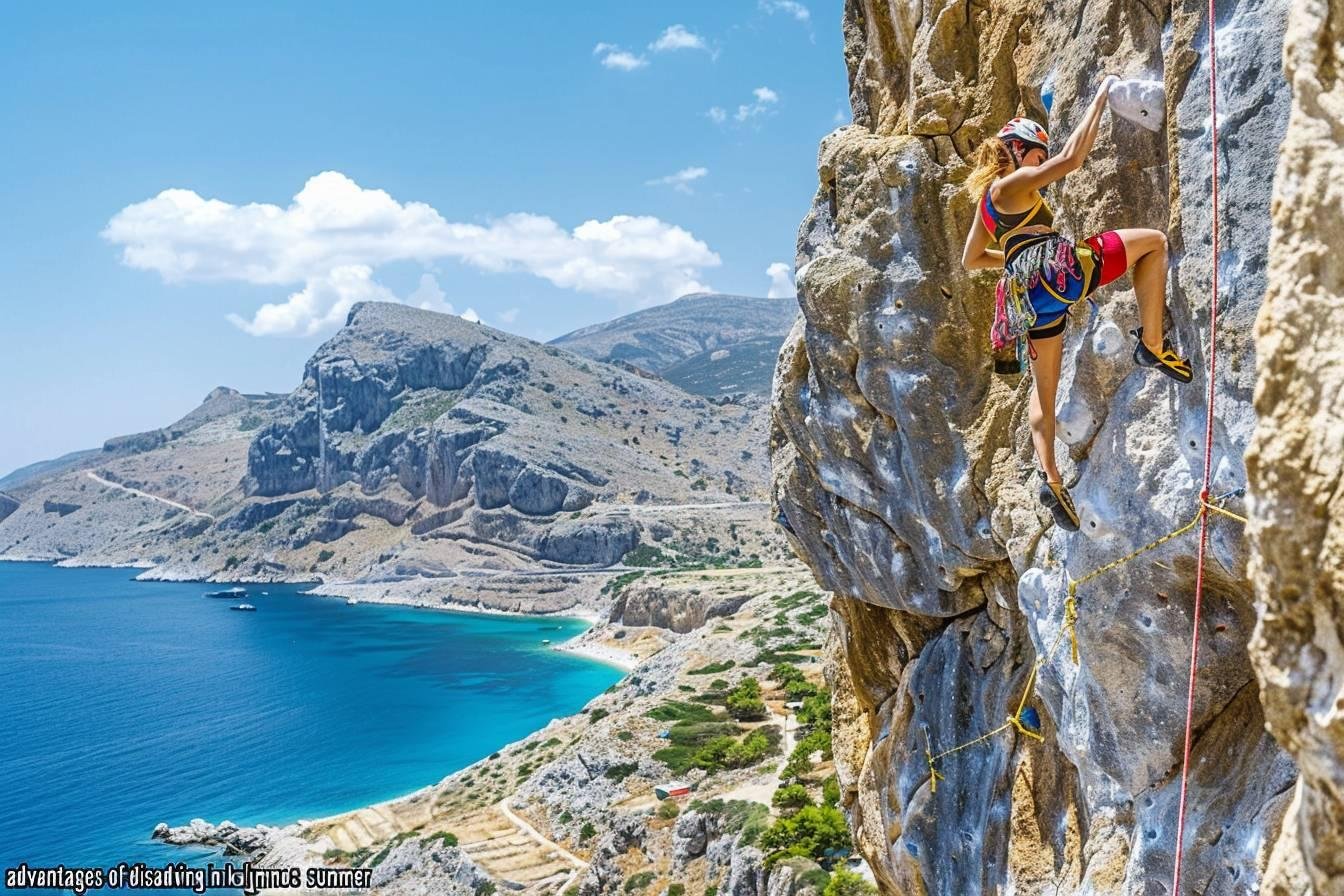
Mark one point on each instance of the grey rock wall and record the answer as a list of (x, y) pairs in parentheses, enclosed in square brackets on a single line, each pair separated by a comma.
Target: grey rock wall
[(903, 465)]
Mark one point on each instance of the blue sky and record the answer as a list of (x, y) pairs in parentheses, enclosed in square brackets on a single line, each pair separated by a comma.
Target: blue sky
[(461, 148)]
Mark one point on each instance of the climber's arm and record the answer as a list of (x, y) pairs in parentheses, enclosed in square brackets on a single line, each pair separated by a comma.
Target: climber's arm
[(1025, 180), (977, 255)]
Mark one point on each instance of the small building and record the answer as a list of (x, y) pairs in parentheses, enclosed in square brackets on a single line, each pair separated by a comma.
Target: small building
[(672, 789)]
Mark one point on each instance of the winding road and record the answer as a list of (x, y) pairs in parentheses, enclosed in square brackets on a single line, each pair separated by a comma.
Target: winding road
[(135, 491)]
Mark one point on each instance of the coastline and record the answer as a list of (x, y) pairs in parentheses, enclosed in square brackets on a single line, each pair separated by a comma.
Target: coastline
[(611, 656)]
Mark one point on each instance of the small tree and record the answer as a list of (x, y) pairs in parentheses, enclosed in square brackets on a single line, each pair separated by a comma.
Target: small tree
[(791, 797), (744, 703), (810, 832), (848, 883)]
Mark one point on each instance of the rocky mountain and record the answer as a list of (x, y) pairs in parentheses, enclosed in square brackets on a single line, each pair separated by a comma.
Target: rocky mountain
[(903, 467), (434, 458), (707, 343)]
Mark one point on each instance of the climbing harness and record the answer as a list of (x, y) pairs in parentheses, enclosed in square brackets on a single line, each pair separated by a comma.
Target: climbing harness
[(1025, 720)]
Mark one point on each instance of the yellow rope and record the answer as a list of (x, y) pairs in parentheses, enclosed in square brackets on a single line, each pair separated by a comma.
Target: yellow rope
[(1225, 512), (1069, 626)]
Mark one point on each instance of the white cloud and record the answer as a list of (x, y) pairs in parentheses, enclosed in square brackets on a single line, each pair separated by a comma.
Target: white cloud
[(765, 98), (681, 181), (676, 37), (334, 233), (508, 316), (716, 114), (322, 304), (781, 281), (614, 57), (471, 315), (430, 296), (788, 7)]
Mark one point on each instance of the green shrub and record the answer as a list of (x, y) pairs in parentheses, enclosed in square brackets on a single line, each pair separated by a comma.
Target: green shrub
[(791, 796), (325, 555), (586, 832), (800, 690), (622, 770), (784, 673), (713, 668), (668, 809), (830, 791), (676, 890), (844, 882), (816, 710), (624, 735), (598, 715), (677, 711), (744, 702), (646, 555), (446, 838), (639, 881), (809, 833)]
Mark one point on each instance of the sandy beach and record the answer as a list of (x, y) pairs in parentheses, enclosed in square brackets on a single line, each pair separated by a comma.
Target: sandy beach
[(613, 655)]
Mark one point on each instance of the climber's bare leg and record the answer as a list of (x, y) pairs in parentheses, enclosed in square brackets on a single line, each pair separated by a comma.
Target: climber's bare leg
[(1045, 373), (1146, 251)]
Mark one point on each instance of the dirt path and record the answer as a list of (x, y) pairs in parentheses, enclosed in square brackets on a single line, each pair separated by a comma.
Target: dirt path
[(135, 491), (579, 864), (764, 792)]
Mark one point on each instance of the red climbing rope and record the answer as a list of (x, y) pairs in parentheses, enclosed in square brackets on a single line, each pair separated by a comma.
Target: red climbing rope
[(1208, 457)]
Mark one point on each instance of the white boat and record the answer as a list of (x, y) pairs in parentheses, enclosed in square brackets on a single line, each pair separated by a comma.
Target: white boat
[(350, 601), (245, 607), (232, 592), (545, 640)]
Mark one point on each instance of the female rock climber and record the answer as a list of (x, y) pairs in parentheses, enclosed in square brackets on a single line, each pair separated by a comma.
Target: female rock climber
[(1052, 273)]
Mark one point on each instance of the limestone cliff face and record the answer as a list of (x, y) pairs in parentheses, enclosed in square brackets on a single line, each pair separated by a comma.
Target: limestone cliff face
[(1296, 457), (903, 466)]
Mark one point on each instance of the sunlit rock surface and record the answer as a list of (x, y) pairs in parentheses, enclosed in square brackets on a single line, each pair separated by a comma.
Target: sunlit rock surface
[(903, 468)]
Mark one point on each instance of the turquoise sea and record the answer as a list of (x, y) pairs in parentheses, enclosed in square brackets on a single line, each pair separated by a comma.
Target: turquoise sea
[(127, 703)]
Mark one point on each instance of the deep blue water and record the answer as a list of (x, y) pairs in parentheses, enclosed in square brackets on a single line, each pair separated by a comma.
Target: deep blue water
[(123, 704)]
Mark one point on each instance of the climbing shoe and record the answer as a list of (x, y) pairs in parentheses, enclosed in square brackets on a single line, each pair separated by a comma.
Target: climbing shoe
[(1170, 363), (1056, 497)]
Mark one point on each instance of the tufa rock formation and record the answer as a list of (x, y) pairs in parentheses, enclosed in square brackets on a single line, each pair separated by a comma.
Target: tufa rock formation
[(904, 474)]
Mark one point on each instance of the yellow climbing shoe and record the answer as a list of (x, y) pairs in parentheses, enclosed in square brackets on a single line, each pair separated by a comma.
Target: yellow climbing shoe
[(1170, 363), (1060, 503)]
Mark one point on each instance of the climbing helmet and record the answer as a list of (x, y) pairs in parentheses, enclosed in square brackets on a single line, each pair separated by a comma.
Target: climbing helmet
[(1026, 131)]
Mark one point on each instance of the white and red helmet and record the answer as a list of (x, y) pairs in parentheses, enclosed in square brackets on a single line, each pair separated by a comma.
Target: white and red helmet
[(1026, 131)]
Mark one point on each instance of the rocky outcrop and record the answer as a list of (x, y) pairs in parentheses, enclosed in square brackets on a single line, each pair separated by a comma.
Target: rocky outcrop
[(221, 403), (226, 835), (7, 505), (60, 508), (903, 467), (418, 445), (1296, 458), (650, 602)]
